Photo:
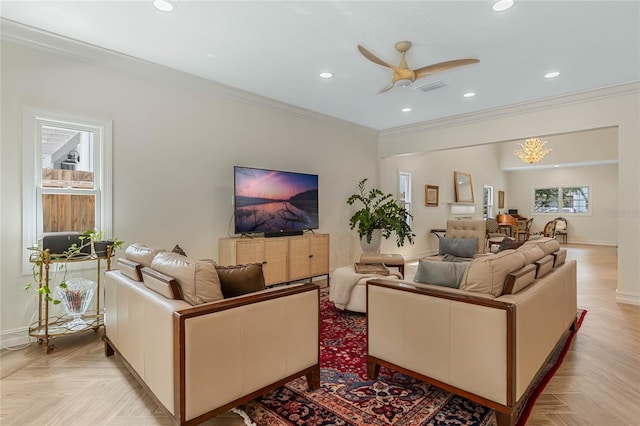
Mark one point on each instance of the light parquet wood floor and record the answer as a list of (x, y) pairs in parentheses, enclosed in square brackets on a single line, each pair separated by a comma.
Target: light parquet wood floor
[(598, 383)]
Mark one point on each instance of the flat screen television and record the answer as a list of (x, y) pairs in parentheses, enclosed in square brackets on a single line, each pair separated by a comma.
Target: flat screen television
[(274, 201)]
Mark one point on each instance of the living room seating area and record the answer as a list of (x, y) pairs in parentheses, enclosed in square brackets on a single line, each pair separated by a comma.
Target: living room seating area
[(497, 322), (166, 317)]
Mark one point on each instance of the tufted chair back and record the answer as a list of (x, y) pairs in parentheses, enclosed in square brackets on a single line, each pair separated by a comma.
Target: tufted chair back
[(468, 228), (492, 226)]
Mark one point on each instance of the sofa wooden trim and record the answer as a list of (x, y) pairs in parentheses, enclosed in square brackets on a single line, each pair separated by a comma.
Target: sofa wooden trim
[(178, 324), (172, 287), (505, 412), (373, 363), (179, 317), (129, 268)]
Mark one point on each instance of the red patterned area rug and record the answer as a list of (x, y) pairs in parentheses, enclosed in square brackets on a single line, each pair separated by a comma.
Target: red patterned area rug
[(346, 398)]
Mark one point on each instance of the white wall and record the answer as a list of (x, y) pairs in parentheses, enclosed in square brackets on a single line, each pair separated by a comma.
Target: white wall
[(436, 168), (176, 139), (610, 107), (598, 227)]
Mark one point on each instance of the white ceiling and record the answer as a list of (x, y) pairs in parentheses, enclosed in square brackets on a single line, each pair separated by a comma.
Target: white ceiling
[(276, 49)]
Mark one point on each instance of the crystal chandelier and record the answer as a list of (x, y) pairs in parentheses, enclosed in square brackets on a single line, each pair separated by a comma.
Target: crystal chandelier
[(532, 150)]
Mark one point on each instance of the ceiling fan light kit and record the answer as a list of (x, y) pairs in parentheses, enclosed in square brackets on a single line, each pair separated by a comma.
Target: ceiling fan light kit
[(502, 5), (403, 75), (403, 82), (164, 5)]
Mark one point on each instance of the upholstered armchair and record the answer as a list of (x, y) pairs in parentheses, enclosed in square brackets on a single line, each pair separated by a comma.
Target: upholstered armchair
[(468, 228)]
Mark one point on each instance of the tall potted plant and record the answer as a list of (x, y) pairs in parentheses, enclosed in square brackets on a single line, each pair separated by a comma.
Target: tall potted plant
[(379, 212)]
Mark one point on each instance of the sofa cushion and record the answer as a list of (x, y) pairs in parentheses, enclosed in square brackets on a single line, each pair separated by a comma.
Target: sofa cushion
[(237, 280), (447, 274), (487, 274), (141, 253), (531, 253), (162, 284), (547, 244), (459, 247), (559, 257), (130, 269), (544, 265), (198, 279), (520, 279)]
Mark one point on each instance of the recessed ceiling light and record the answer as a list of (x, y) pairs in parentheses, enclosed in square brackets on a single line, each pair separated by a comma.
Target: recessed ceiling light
[(406, 109), (501, 5), (210, 55), (551, 74), (164, 5), (326, 75), (469, 94)]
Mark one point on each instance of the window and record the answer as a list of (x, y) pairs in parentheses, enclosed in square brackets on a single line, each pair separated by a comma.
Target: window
[(67, 175), (572, 199), (487, 201), (404, 192)]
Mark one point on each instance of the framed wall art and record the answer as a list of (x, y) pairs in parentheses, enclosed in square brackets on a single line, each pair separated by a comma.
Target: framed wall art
[(501, 199), (431, 195)]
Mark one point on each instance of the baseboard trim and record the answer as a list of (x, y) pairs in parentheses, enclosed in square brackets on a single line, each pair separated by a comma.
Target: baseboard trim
[(627, 298), (13, 339)]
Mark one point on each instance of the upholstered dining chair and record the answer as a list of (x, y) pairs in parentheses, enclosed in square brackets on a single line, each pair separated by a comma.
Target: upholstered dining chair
[(550, 229), (561, 228), (494, 234), (525, 231)]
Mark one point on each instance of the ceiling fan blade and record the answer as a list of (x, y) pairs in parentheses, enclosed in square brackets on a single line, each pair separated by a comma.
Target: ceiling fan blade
[(373, 58), (386, 88), (443, 66)]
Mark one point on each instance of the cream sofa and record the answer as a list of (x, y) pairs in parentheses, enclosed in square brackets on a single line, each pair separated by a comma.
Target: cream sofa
[(485, 340), (200, 360)]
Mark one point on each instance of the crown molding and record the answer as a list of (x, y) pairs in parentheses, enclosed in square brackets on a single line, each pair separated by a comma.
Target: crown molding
[(515, 109), (17, 33)]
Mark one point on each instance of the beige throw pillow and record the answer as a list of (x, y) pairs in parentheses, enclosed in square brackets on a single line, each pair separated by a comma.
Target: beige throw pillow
[(198, 279)]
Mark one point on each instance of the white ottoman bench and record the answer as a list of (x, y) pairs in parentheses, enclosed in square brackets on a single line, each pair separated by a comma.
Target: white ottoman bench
[(348, 289)]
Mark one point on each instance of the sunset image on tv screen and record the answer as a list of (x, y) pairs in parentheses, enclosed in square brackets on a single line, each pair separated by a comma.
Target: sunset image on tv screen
[(272, 200)]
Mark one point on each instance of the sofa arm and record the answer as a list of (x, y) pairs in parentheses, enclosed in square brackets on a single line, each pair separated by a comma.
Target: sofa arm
[(230, 351)]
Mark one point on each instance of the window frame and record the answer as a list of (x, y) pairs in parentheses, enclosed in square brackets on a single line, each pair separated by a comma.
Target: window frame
[(560, 200), (489, 201), (405, 202), (32, 191)]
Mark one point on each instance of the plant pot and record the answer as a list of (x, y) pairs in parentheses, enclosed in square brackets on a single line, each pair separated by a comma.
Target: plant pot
[(100, 248), (374, 245)]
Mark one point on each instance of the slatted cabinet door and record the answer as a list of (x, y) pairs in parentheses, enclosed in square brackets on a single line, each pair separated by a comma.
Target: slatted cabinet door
[(308, 256), (272, 253)]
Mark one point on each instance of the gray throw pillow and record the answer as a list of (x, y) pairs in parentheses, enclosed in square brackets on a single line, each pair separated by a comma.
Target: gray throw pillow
[(446, 274), (459, 247)]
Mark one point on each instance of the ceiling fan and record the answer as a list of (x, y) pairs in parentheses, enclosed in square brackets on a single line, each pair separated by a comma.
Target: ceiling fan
[(403, 75)]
